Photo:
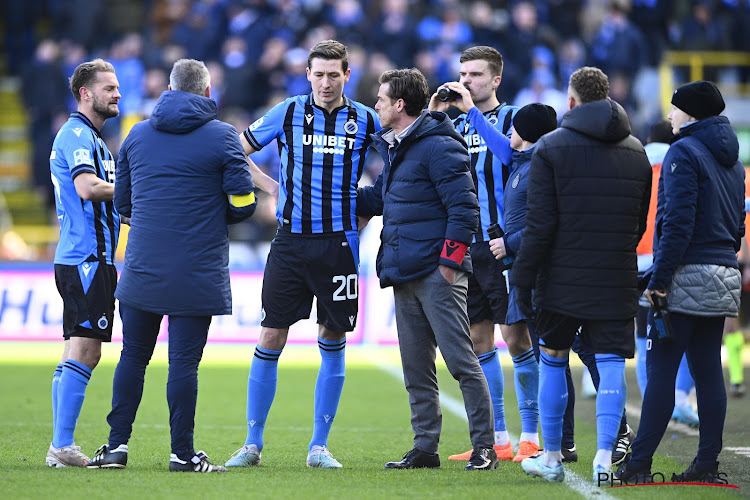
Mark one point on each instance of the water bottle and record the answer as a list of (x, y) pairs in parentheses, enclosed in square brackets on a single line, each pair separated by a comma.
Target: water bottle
[(662, 319)]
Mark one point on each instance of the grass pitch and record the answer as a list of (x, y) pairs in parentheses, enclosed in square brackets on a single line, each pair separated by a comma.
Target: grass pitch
[(371, 428)]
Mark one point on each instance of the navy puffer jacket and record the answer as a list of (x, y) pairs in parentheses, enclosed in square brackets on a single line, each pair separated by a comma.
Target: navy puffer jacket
[(700, 216), (426, 196)]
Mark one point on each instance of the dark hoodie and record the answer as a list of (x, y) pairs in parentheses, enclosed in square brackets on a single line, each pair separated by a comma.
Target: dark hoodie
[(700, 216), (588, 196), (425, 195), (174, 173)]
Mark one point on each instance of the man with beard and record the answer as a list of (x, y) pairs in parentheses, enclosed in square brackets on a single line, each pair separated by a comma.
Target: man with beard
[(83, 174)]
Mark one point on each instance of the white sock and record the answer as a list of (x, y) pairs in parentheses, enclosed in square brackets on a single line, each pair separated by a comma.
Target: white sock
[(603, 458), (530, 436), (681, 398), (501, 438), (552, 458)]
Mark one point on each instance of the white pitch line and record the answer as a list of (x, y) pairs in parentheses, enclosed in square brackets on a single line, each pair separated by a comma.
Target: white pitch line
[(572, 480)]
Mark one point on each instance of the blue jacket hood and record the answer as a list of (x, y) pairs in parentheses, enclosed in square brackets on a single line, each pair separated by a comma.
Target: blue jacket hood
[(718, 136), (179, 112)]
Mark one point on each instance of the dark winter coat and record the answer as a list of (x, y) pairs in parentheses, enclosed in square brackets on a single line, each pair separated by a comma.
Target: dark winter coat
[(588, 196), (426, 196), (174, 174)]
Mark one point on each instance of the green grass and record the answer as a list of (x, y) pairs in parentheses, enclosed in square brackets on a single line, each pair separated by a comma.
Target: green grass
[(372, 427)]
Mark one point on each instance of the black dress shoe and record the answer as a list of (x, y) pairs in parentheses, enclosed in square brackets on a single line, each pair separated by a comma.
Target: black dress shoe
[(629, 474), (416, 459), (569, 454), (483, 459)]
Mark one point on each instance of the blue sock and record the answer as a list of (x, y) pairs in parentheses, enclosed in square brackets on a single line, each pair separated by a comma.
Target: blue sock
[(553, 398), (261, 389), (493, 372), (526, 373), (610, 399), (71, 390), (684, 381), (640, 364), (55, 385), (328, 388)]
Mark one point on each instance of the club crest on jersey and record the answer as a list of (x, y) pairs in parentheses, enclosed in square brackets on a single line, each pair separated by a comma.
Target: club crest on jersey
[(493, 120), (257, 123), (351, 127)]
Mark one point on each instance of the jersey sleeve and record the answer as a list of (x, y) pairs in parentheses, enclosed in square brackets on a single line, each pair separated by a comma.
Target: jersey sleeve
[(268, 127), (78, 151)]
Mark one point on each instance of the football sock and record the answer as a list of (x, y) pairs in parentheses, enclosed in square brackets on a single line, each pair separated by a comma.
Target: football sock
[(526, 375), (55, 385), (734, 342), (640, 364), (684, 381), (328, 388), (610, 402), (501, 438), (553, 398), (71, 390), (261, 389), (490, 363)]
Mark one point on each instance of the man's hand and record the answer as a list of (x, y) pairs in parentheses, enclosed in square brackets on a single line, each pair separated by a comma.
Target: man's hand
[(523, 299), (438, 105), (448, 273), (362, 222), (658, 293), (497, 247), (465, 103)]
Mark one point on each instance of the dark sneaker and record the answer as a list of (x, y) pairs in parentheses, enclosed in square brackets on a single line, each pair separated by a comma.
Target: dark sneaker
[(633, 475), (482, 459), (705, 473), (569, 455), (104, 458), (199, 463), (416, 459), (622, 445)]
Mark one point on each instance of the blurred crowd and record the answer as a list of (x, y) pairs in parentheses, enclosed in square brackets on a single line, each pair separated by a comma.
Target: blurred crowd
[(256, 52)]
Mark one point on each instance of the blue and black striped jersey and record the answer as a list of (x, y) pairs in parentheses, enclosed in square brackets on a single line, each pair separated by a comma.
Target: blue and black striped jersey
[(88, 229), (489, 173), (322, 158)]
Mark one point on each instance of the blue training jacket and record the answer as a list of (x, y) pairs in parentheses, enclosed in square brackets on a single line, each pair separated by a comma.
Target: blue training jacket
[(174, 175), (701, 201)]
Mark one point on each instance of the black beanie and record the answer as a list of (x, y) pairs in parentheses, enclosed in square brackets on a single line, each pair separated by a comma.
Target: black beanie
[(534, 120), (699, 99)]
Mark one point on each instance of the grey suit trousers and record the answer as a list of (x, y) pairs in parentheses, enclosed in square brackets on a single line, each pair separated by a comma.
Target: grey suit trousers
[(430, 313)]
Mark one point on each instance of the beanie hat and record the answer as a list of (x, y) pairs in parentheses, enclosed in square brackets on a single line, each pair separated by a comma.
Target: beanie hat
[(699, 99), (534, 120)]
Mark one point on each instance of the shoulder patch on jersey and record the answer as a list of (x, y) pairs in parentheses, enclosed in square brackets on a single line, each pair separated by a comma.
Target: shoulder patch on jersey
[(77, 131), (82, 157), (257, 123)]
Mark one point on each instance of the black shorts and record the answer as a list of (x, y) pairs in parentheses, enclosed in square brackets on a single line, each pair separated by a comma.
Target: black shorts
[(488, 297), (558, 331), (88, 293), (302, 266)]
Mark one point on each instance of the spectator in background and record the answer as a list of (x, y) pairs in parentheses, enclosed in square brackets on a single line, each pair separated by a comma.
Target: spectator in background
[(202, 30), (542, 89), (702, 30), (239, 72), (618, 45), (653, 18), (176, 264), (45, 91), (395, 24), (700, 222)]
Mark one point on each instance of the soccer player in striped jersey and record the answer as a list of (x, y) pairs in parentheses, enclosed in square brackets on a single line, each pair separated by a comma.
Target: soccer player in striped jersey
[(83, 174), (323, 139), (484, 115)]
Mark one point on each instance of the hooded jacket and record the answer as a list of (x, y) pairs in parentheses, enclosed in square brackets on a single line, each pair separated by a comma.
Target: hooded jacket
[(174, 174), (700, 217), (426, 196), (588, 196)]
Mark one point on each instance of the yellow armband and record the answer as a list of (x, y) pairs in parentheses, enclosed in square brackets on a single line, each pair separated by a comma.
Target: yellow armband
[(241, 200)]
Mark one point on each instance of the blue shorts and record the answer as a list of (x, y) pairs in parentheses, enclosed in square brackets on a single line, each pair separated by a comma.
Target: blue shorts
[(300, 267), (514, 314)]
